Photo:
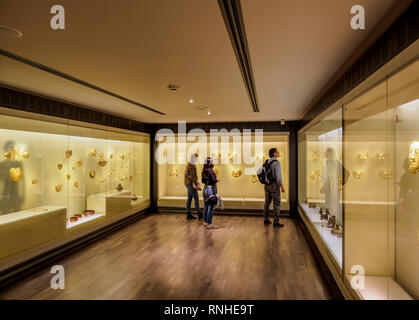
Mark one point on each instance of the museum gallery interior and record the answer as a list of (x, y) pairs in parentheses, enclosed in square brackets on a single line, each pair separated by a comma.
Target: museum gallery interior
[(94, 95)]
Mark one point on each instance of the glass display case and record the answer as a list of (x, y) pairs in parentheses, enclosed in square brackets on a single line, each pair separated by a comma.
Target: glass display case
[(56, 178), (369, 182), (239, 186)]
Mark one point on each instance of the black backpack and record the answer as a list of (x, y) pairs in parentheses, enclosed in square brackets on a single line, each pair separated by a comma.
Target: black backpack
[(265, 173)]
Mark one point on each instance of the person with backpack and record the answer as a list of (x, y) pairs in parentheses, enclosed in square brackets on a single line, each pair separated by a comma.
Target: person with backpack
[(270, 175), (191, 183), (209, 178)]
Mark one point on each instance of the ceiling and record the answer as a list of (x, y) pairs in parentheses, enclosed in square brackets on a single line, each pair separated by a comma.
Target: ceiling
[(135, 48)]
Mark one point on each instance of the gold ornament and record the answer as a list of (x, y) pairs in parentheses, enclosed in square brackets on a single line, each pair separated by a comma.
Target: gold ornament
[(60, 166), (314, 154), (386, 174), (254, 178), (130, 178), (13, 154), (68, 154), (312, 175), (15, 174), (111, 156), (79, 163), (68, 176), (76, 184), (380, 155), (414, 157), (25, 155), (174, 173), (93, 152), (74, 168), (102, 180), (236, 173), (363, 155), (102, 161), (358, 174), (8, 155), (35, 181), (92, 174), (59, 187)]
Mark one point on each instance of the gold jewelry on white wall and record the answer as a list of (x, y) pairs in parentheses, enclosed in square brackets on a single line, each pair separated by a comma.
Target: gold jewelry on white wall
[(386, 174), (68, 154), (380, 155), (60, 166), (68, 176), (111, 156), (92, 174), (15, 174), (173, 173), (130, 178), (254, 178), (74, 168), (312, 175), (79, 163), (76, 184), (35, 181), (102, 161), (414, 157), (59, 187), (363, 155), (236, 173), (93, 152), (358, 174), (26, 155)]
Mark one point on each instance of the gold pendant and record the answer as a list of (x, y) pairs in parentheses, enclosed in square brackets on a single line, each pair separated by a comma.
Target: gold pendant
[(236, 173), (254, 178), (15, 174), (59, 187), (68, 176), (76, 184), (60, 166), (414, 157), (92, 174), (93, 152), (35, 181), (79, 163), (68, 154), (102, 161)]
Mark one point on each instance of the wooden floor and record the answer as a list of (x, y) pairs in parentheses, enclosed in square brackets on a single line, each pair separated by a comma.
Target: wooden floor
[(166, 257)]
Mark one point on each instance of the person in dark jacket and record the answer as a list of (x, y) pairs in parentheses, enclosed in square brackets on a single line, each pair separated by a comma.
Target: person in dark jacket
[(209, 178), (191, 183)]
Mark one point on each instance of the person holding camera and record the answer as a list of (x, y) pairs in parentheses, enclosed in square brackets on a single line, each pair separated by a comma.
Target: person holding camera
[(209, 178)]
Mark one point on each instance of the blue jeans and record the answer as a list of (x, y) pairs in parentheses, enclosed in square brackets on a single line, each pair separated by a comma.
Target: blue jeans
[(192, 193), (208, 208)]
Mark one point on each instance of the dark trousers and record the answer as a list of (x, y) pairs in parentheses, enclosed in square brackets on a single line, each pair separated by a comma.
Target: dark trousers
[(272, 192), (192, 193), (208, 208)]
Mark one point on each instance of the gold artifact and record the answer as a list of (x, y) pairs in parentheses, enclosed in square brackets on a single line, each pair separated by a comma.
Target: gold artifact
[(312, 175), (121, 157), (102, 180), (380, 155), (93, 152), (130, 178), (74, 168), (15, 174), (79, 163), (68, 154), (110, 174), (35, 181), (363, 155), (174, 173), (254, 178), (37, 210), (14, 154), (92, 174), (314, 154), (111, 156), (102, 161), (340, 183), (25, 155), (68, 176), (386, 174), (358, 174), (216, 172), (8, 155), (76, 184), (414, 157), (59, 187), (236, 173), (119, 187), (60, 166)]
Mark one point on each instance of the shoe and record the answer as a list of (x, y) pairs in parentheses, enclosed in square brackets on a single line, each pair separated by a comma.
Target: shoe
[(190, 217), (266, 222), (212, 226), (278, 225), (205, 224)]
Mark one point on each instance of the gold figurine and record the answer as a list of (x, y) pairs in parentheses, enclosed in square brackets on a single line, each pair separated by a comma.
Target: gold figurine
[(236, 173), (358, 174), (68, 154), (15, 174), (363, 155), (414, 157), (92, 174), (59, 187)]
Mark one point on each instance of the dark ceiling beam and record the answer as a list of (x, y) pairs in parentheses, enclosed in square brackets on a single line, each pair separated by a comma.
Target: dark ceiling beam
[(233, 19), (73, 79)]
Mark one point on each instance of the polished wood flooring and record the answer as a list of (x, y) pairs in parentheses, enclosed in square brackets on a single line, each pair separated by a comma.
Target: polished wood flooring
[(166, 257)]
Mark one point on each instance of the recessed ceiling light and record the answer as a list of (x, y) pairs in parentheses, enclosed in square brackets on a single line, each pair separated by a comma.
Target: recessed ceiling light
[(9, 32), (209, 112), (191, 101)]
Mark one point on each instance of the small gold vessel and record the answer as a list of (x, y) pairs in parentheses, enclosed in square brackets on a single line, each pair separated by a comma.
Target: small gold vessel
[(15, 174), (68, 154), (68, 176), (59, 187), (60, 166)]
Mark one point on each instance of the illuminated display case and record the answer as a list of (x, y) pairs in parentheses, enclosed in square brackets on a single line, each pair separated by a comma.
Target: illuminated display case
[(58, 179), (238, 186), (372, 188)]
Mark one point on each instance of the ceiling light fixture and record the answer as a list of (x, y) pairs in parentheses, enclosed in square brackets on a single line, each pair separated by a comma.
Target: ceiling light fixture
[(9, 32), (209, 112), (201, 108), (173, 87), (191, 101)]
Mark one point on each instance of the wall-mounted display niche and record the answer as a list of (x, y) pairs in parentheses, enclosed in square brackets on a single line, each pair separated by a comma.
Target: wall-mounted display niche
[(359, 186), (58, 178), (238, 186)]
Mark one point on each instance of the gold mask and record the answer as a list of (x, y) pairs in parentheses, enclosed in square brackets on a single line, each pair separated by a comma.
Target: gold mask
[(76, 184), (414, 158), (15, 174)]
